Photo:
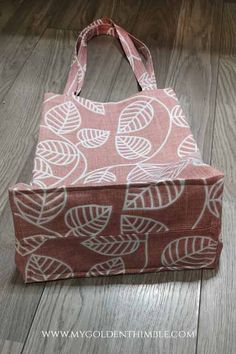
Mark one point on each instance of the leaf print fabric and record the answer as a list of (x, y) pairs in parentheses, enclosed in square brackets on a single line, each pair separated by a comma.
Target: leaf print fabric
[(63, 118), (157, 196), (135, 116), (88, 220), (113, 245), (40, 208), (96, 107), (57, 152), (92, 138), (141, 225), (111, 267), (117, 187), (189, 251), (40, 268), (132, 147)]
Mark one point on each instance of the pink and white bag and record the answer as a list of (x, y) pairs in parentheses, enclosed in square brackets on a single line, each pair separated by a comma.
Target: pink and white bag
[(117, 187)]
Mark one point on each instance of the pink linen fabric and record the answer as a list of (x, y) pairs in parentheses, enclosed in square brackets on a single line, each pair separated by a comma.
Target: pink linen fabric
[(117, 187)]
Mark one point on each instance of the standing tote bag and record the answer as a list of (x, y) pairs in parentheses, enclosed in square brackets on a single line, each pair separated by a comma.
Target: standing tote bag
[(117, 187)]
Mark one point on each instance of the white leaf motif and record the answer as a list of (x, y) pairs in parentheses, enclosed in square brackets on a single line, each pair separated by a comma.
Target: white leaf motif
[(113, 245), (189, 252), (148, 82), (170, 92), (40, 207), (141, 225), (80, 71), (178, 117), (187, 147), (132, 147), (57, 152), (41, 169), (42, 268), (100, 177), (96, 107), (111, 267), (92, 138), (214, 199), (63, 118), (154, 196), (136, 116), (31, 243), (144, 172), (87, 220)]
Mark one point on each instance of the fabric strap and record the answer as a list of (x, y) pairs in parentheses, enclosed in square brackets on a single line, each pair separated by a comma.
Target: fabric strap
[(132, 48)]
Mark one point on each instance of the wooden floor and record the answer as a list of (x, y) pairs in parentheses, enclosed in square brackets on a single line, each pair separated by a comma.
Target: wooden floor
[(193, 43)]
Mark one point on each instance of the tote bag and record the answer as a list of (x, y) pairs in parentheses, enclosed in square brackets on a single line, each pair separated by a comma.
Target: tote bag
[(117, 187)]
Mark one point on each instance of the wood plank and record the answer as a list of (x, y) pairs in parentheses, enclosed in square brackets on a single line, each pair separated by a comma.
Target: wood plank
[(219, 292), (74, 14), (104, 53), (77, 14), (8, 347), (224, 144), (156, 26), (139, 303), (43, 71), (194, 67), (19, 37), (7, 9)]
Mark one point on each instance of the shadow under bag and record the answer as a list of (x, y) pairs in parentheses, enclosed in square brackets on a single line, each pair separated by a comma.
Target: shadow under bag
[(117, 187)]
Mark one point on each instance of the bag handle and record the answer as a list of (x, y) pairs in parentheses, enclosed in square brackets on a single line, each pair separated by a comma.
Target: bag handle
[(132, 47)]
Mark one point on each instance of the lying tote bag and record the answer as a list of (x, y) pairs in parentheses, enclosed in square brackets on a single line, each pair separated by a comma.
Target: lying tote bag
[(117, 187)]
